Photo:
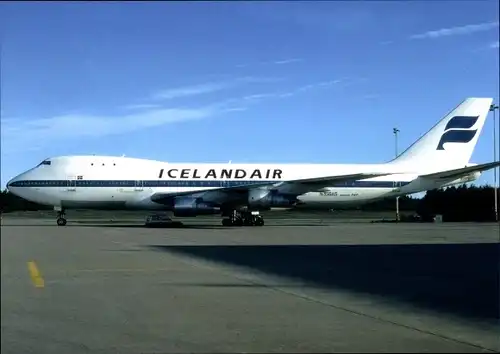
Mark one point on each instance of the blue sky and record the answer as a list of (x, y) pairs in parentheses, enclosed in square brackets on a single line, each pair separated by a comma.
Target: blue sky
[(318, 82)]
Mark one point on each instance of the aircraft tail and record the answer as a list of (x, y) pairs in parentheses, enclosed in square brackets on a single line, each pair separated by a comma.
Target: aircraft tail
[(451, 142)]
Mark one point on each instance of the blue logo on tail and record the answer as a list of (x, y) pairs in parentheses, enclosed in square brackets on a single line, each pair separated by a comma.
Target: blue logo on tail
[(454, 131)]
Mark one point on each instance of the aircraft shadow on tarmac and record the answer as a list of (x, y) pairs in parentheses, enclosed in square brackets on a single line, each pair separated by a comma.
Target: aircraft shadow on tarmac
[(120, 225), (462, 279), (191, 226), (142, 226)]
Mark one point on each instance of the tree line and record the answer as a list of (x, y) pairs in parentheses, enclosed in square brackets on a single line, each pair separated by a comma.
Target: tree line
[(10, 202), (457, 203)]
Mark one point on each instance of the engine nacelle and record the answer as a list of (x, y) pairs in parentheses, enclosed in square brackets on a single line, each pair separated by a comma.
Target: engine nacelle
[(470, 177), (261, 198), (191, 207)]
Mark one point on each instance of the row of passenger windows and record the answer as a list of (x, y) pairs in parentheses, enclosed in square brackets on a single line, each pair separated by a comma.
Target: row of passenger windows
[(182, 183), (48, 163), (121, 183)]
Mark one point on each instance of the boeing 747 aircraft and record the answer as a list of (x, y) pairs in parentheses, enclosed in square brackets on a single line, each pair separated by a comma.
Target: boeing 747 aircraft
[(239, 191)]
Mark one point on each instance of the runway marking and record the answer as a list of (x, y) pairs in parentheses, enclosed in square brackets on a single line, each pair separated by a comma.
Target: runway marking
[(66, 272), (125, 270), (35, 275)]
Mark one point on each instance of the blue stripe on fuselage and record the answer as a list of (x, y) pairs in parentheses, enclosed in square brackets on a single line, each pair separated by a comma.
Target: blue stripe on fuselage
[(185, 183)]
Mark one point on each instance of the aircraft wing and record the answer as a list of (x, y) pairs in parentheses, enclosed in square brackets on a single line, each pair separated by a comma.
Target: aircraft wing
[(320, 182), (161, 196), (459, 172), (308, 184)]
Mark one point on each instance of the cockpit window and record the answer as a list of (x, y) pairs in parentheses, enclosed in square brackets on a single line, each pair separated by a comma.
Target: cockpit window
[(45, 162)]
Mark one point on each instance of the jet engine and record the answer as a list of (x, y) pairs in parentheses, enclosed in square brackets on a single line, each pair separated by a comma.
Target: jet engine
[(470, 177), (191, 207), (261, 198)]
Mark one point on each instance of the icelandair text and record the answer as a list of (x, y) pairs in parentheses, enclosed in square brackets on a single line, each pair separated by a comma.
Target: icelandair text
[(188, 173)]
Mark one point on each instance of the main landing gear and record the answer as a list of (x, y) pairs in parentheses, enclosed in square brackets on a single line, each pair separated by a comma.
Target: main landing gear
[(243, 218), (61, 218)]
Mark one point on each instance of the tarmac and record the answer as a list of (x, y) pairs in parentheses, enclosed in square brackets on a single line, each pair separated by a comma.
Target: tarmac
[(290, 286)]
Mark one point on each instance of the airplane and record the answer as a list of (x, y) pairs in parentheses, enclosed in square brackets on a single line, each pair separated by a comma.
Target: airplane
[(238, 192)]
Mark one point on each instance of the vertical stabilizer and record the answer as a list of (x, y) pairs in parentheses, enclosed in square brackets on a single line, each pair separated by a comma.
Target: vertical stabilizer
[(450, 143)]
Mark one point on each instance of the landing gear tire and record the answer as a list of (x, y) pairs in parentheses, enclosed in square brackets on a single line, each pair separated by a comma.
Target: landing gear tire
[(238, 222), (243, 219), (61, 220), (248, 222)]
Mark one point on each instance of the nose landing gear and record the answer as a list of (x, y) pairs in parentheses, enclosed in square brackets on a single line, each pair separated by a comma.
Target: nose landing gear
[(61, 220)]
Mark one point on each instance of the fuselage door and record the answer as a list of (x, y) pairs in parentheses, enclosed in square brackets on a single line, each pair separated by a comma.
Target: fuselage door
[(71, 184), (139, 185)]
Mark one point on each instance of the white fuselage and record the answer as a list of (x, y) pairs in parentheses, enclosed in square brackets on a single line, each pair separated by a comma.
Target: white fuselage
[(120, 183), (438, 158)]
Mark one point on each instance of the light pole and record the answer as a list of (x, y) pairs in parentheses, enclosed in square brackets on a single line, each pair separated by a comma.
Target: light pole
[(493, 108), (396, 131)]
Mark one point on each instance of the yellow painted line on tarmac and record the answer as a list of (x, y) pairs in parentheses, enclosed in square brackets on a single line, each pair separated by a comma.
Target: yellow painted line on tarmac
[(35, 275), (125, 270)]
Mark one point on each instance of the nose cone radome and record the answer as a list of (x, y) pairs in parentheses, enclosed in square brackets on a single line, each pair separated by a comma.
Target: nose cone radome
[(17, 185), (11, 185)]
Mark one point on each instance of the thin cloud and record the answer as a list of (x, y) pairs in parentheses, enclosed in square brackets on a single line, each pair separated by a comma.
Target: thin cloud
[(485, 47), (192, 90), (141, 106), (310, 87), (454, 31), (19, 134), (254, 98), (288, 61), (258, 97), (275, 62), (207, 88), (322, 84)]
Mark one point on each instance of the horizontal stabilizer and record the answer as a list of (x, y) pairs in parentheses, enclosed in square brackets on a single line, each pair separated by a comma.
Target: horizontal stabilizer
[(459, 172)]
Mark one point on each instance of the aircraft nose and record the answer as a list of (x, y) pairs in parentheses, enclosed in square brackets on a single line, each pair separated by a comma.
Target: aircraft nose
[(11, 185), (23, 186)]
